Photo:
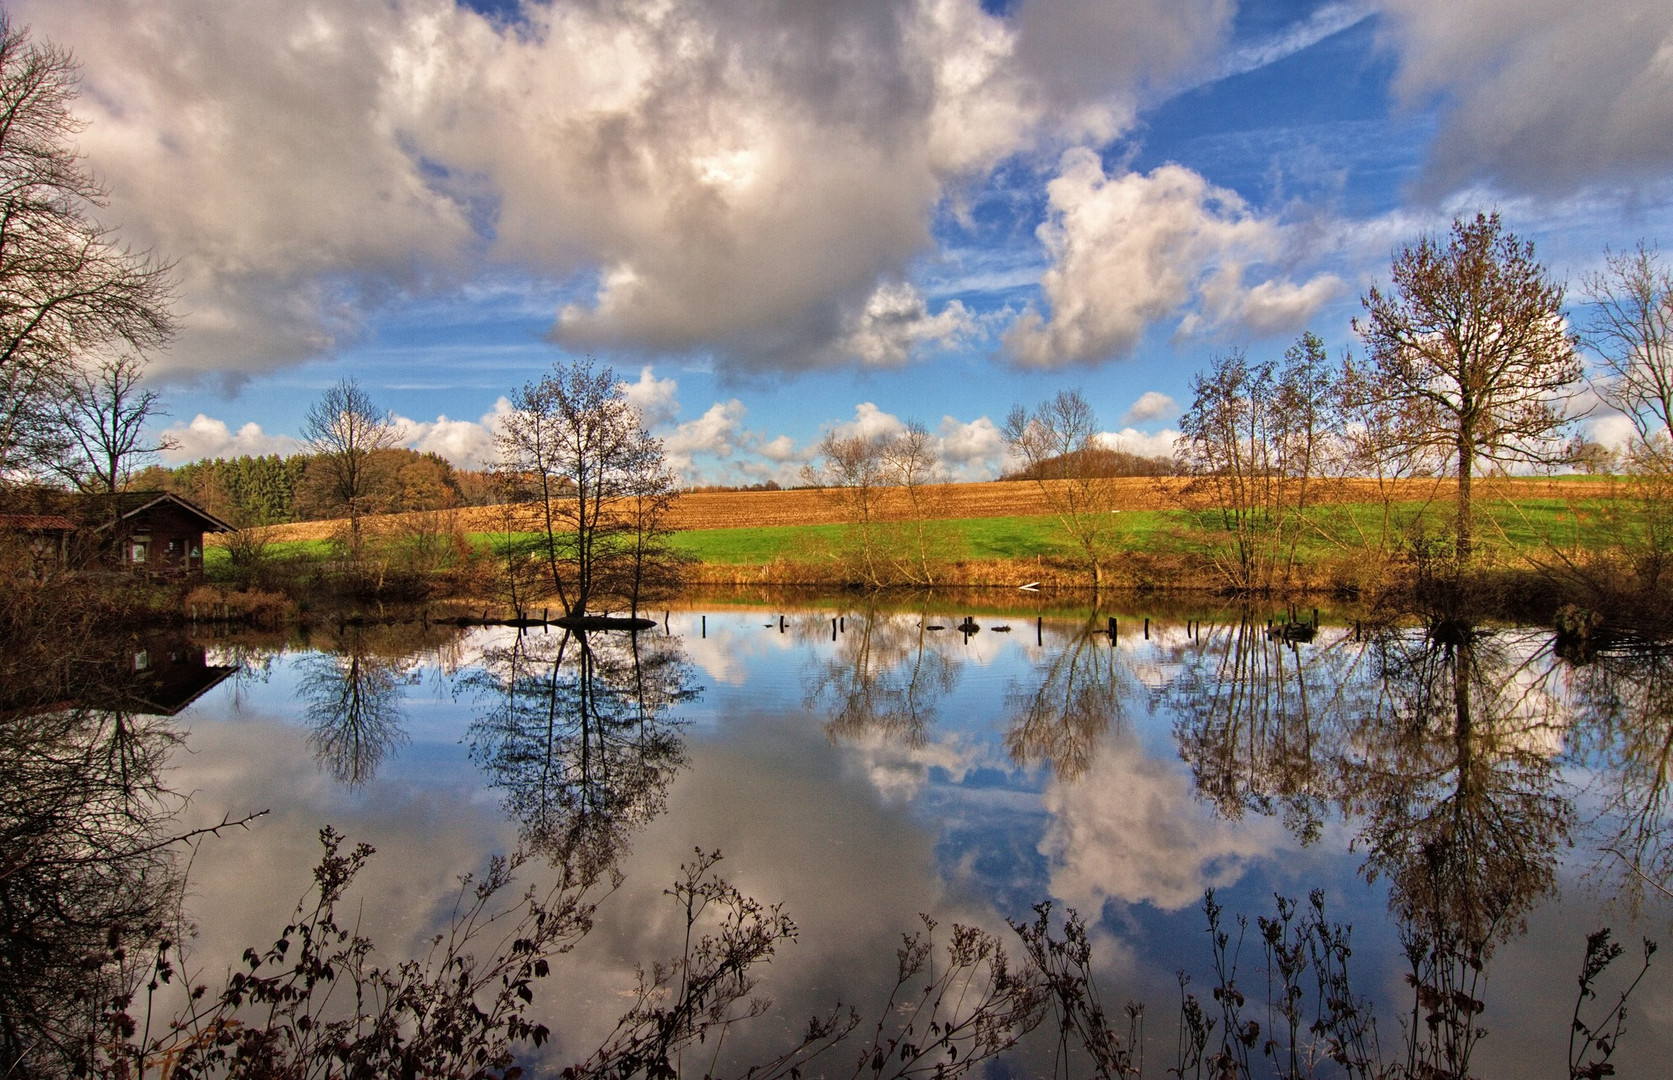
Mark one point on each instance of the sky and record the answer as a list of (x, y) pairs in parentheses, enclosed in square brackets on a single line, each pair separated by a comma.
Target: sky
[(779, 218)]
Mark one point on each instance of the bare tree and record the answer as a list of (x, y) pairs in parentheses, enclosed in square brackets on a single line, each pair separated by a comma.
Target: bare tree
[(595, 482), (1473, 328), (344, 429), (67, 288), (1631, 330), (912, 465), (1058, 444), (103, 414), (651, 568), (851, 472)]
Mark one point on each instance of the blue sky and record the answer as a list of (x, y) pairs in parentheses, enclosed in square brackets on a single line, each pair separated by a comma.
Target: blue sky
[(776, 218)]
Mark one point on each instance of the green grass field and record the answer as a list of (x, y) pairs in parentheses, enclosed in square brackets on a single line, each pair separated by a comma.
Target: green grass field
[(1525, 526)]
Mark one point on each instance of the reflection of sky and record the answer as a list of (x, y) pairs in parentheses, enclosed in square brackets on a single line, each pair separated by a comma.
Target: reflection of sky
[(855, 834)]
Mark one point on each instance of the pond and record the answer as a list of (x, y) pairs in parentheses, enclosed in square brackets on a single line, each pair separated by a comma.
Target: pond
[(1462, 796)]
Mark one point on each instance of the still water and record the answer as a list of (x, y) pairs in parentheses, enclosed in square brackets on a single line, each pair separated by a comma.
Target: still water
[(864, 767)]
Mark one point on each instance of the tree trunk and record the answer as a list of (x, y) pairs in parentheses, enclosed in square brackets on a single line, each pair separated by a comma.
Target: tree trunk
[(1466, 470)]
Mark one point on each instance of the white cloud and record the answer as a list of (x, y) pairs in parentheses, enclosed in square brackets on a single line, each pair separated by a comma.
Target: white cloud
[(1268, 308), (869, 422), (1147, 444), (1094, 57), (718, 432), (1612, 429), (1151, 405), (654, 398), (206, 437), (971, 452), (732, 179), (1540, 95), (467, 444), (1135, 248), (896, 322), (779, 449)]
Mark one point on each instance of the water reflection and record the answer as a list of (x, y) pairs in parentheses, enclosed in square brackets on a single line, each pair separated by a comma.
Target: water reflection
[(1623, 700), (1456, 778), (578, 735), (87, 884), (1076, 691), (1446, 751), (1254, 715), (351, 698), (886, 677)]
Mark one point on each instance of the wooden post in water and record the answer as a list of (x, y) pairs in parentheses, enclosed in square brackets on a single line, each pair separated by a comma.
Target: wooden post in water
[(1147, 628), (1040, 629), (705, 626)]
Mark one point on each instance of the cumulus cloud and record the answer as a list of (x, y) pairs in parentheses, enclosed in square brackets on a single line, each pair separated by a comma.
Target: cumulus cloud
[(701, 175), (1135, 248), (869, 422), (1612, 429), (719, 447), (1158, 444), (467, 444), (896, 323), (718, 432), (1539, 95), (971, 451), (262, 149), (1096, 58), (1151, 405), (653, 398), (206, 437)]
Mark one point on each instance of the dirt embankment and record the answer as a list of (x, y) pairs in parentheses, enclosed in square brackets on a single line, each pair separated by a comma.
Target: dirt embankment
[(999, 498)]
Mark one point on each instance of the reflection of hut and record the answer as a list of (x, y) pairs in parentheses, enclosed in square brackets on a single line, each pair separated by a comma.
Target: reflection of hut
[(165, 676), (151, 532), (154, 674)]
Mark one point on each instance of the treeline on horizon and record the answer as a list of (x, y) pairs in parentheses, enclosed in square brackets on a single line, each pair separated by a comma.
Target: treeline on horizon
[(268, 489)]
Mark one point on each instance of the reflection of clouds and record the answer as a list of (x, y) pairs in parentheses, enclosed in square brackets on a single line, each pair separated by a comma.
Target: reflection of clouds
[(899, 771), (245, 884), (795, 826), (720, 656), (1132, 831), (723, 651)]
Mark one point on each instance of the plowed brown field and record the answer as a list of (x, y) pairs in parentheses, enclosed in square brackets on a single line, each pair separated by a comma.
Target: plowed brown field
[(1002, 498)]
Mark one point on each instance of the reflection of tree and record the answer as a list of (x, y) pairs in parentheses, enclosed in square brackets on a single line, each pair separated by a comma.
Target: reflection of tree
[(1458, 780), (887, 678), (576, 736), (85, 882), (1624, 705), (352, 699), (1251, 710), (1442, 743), (1073, 697)]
